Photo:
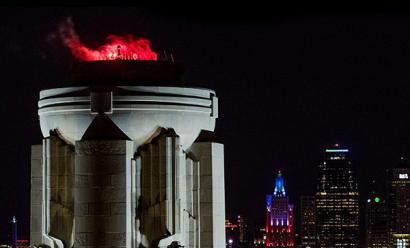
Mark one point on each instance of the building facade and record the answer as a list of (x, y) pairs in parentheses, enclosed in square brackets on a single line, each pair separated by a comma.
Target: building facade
[(279, 216), (307, 221), (398, 190), (337, 201)]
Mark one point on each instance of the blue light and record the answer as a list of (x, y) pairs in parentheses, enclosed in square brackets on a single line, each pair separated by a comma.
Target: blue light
[(279, 185), (269, 200)]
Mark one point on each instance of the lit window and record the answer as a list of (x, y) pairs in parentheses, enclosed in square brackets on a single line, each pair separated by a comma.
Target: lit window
[(403, 176)]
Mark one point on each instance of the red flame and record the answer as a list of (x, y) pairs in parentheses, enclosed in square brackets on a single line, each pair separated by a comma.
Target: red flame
[(126, 47)]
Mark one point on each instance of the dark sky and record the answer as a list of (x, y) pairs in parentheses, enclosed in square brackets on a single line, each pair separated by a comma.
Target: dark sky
[(288, 86)]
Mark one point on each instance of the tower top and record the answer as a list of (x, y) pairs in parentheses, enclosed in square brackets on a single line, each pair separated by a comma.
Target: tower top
[(336, 152), (279, 186)]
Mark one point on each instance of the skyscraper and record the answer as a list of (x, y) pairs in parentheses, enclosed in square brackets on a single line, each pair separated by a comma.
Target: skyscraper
[(398, 190), (279, 216), (376, 221), (307, 221), (337, 203)]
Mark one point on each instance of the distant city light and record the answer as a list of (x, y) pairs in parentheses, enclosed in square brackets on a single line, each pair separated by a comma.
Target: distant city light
[(337, 150), (376, 199), (403, 176)]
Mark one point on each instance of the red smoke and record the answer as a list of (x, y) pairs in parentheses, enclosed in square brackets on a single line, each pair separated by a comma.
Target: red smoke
[(126, 47)]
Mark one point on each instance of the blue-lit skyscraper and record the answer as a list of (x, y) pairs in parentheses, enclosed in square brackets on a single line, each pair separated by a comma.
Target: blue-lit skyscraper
[(337, 201), (279, 216)]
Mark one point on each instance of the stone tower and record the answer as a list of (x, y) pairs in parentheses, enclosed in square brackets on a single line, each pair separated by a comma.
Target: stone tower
[(127, 160)]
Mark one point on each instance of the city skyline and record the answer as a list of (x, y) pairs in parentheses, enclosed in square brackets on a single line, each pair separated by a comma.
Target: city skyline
[(289, 86)]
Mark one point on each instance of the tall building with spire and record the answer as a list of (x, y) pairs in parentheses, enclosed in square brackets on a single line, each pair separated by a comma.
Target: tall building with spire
[(337, 201), (279, 216)]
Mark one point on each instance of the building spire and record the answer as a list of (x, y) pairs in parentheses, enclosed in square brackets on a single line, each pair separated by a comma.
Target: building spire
[(279, 185)]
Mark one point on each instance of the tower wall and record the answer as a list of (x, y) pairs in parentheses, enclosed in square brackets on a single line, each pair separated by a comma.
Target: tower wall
[(52, 166), (102, 192), (36, 194), (160, 199), (212, 193)]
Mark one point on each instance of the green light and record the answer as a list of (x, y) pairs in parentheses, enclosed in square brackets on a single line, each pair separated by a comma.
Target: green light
[(376, 199), (337, 150)]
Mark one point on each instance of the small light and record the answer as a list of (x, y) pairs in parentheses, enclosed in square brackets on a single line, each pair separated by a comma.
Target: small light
[(230, 241), (376, 199), (403, 176)]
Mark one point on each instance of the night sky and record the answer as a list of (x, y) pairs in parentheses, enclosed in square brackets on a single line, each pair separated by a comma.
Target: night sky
[(288, 86)]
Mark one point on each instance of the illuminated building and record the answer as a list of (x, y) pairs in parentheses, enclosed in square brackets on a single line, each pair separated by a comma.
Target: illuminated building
[(376, 222), (307, 221), (398, 201), (400, 240), (337, 204), (232, 233), (279, 216), (124, 162), (259, 239), (14, 235), (15, 242), (236, 232)]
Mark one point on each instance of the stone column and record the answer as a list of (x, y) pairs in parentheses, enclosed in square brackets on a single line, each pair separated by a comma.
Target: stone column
[(36, 195), (212, 193), (103, 194)]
